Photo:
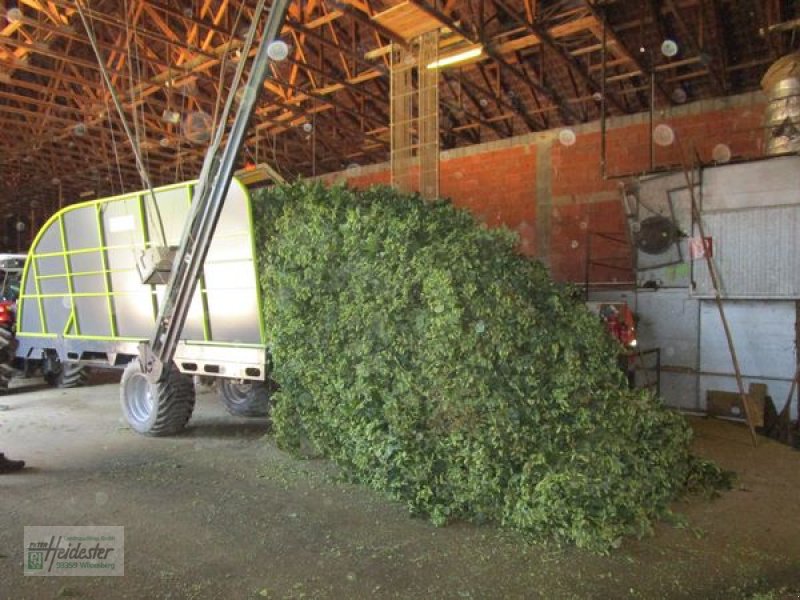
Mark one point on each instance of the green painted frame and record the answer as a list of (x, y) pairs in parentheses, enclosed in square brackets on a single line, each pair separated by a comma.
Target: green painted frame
[(72, 323)]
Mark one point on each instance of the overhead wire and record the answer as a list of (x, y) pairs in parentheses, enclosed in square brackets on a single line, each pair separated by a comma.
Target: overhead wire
[(117, 103), (222, 66), (114, 143)]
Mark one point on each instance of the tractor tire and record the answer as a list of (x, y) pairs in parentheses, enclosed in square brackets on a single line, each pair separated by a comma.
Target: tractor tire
[(68, 375), (8, 345), (247, 398), (155, 409)]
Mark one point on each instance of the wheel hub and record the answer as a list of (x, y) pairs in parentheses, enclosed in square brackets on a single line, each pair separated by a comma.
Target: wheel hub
[(140, 398)]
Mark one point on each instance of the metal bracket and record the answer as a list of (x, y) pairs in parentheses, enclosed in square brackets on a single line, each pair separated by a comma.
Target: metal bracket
[(155, 264)]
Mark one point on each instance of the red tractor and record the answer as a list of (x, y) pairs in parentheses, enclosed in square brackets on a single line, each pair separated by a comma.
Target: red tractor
[(11, 266)]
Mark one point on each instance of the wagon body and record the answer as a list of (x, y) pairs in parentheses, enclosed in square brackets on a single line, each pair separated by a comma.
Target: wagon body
[(82, 297)]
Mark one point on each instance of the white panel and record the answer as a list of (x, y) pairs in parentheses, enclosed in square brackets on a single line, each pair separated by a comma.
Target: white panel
[(763, 334), (121, 223), (771, 182), (668, 319)]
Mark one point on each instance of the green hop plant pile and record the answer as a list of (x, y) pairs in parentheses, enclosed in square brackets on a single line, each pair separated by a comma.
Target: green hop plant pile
[(420, 352)]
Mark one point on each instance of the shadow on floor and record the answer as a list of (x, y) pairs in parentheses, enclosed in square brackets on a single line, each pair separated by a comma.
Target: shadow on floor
[(225, 430)]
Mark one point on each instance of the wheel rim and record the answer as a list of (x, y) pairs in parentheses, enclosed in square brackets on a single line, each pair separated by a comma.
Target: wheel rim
[(237, 392), (139, 398)]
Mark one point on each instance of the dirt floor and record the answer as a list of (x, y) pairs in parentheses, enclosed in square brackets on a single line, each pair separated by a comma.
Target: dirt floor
[(219, 512)]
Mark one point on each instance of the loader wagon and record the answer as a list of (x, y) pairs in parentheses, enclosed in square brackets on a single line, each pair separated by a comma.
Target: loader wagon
[(83, 303)]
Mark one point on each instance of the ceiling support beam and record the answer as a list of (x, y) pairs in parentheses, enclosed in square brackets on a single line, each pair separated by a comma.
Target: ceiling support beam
[(565, 57), (566, 111), (694, 46)]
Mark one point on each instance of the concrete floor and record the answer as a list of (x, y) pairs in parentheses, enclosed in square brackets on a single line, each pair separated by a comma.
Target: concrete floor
[(219, 512)]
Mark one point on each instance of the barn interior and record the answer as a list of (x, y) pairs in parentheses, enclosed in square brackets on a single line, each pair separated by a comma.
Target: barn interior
[(645, 153)]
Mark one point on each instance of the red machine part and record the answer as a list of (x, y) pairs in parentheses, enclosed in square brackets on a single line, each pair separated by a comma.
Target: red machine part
[(619, 321), (7, 314)]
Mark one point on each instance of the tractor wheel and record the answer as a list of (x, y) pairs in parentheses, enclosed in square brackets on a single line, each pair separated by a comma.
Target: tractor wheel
[(161, 408), (66, 375), (7, 347), (246, 398)]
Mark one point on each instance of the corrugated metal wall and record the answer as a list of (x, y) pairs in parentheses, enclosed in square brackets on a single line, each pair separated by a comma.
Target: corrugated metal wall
[(752, 213)]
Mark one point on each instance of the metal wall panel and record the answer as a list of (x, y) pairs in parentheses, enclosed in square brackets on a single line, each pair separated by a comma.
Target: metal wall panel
[(668, 320), (771, 182), (763, 334), (752, 213), (755, 251)]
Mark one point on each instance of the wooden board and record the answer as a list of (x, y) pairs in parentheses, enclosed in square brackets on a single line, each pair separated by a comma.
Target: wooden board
[(729, 404), (407, 20)]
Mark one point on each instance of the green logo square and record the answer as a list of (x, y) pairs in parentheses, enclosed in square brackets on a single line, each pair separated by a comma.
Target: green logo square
[(35, 560)]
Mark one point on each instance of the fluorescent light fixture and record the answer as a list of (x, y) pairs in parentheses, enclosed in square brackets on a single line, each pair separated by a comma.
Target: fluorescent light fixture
[(459, 57)]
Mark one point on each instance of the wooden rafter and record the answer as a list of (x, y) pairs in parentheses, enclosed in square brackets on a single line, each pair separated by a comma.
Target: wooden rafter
[(540, 67)]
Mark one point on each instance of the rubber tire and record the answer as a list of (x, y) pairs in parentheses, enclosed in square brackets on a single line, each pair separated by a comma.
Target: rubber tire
[(171, 401), (246, 399), (68, 376), (8, 345)]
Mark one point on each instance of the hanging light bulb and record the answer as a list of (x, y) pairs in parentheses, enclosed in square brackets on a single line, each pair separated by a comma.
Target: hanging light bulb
[(721, 153), (567, 137), (669, 48), (663, 135), (679, 95), (13, 15), (308, 127), (197, 127), (278, 50)]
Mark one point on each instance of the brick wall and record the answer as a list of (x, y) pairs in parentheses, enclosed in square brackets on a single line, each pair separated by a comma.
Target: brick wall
[(556, 197)]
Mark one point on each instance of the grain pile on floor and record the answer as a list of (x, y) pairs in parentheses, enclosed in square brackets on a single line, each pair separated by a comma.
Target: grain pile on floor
[(418, 350)]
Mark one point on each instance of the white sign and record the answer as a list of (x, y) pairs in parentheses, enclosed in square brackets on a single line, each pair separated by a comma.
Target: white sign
[(74, 550), (123, 223)]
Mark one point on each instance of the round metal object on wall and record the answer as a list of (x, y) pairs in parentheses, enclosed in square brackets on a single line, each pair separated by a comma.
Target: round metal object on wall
[(656, 234)]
